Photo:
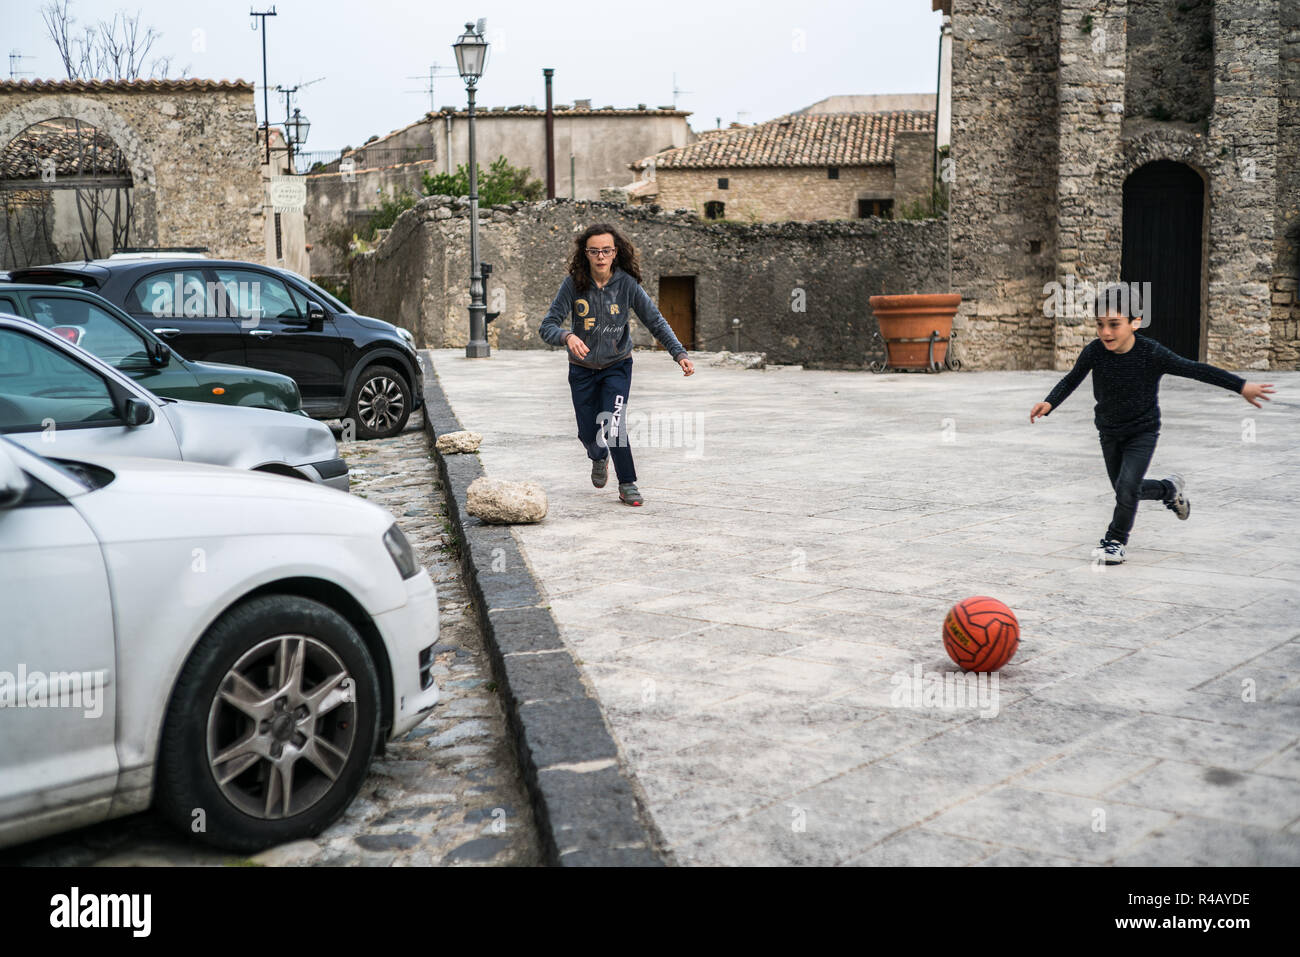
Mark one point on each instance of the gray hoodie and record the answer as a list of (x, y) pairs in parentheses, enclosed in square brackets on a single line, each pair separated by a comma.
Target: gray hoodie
[(599, 317)]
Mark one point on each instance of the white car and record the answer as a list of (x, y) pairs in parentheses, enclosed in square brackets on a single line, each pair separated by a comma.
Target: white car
[(58, 399), (226, 645)]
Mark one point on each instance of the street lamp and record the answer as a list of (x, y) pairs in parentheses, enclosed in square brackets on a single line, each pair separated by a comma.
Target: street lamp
[(296, 131), (471, 56)]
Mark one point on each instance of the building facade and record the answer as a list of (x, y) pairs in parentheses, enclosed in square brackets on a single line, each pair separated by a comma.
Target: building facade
[(183, 168), (1153, 142), (805, 166)]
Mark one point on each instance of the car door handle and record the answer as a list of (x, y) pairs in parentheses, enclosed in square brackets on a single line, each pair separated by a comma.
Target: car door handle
[(261, 333), (167, 332)]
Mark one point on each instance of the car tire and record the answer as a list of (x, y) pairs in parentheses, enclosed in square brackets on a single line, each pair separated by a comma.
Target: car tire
[(381, 403), (243, 768)]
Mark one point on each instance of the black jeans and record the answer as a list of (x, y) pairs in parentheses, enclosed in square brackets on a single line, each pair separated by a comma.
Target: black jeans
[(1127, 458)]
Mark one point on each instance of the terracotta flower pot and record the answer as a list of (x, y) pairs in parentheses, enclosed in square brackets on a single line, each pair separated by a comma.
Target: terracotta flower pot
[(906, 323)]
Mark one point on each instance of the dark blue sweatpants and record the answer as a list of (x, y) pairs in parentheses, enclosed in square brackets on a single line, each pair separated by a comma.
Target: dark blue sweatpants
[(600, 404)]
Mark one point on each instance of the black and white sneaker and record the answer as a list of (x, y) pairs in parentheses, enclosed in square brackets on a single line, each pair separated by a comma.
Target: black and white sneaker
[(1109, 552), (1179, 504), (600, 472)]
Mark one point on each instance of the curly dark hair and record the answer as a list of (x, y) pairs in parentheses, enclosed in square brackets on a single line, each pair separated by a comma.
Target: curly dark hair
[(625, 257)]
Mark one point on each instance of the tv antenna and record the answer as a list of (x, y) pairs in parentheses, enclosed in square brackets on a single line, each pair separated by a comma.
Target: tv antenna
[(677, 91), (433, 72), (14, 57)]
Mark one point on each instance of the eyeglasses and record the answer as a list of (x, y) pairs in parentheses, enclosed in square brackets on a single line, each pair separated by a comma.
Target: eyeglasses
[(600, 253)]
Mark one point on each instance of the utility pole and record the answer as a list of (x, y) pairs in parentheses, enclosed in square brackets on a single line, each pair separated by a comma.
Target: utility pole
[(266, 93)]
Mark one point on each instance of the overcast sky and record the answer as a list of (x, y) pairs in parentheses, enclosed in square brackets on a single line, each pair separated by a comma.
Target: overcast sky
[(744, 61)]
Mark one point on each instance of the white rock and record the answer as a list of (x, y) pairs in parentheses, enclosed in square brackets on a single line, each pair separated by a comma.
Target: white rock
[(505, 503), (463, 441), (741, 360)]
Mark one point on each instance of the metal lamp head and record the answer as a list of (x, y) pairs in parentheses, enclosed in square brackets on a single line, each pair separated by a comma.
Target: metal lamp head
[(297, 128), (471, 54)]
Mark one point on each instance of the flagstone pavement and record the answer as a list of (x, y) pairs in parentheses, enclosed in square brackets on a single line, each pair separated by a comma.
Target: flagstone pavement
[(756, 631)]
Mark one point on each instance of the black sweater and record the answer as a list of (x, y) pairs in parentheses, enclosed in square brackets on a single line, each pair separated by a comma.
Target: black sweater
[(1126, 385)]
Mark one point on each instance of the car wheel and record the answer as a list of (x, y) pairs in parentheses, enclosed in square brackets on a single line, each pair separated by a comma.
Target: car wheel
[(271, 727), (381, 403)]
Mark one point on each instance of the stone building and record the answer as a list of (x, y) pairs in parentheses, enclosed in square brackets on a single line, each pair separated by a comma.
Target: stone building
[(802, 166), (593, 147), (181, 165), (1148, 141)]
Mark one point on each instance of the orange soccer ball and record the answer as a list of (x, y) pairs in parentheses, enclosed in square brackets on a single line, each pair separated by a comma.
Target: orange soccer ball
[(981, 633)]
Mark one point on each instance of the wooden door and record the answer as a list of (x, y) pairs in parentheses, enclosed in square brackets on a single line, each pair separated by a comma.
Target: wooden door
[(677, 303), (1163, 211)]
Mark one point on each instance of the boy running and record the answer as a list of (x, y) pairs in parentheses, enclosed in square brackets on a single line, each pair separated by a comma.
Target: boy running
[(1126, 370)]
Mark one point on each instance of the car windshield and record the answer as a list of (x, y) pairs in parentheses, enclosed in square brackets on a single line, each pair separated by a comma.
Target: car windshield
[(332, 301)]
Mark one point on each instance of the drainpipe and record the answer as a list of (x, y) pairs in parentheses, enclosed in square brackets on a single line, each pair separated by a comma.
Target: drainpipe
[(550, 136), (448, 160)]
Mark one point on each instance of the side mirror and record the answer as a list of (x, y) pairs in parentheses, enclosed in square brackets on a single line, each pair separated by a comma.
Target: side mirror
[(137, 412), (13, 483), (159, 353), (315, 311)]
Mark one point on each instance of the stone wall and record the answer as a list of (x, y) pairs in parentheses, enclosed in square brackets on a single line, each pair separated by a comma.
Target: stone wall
[(1243, 146), (191, 147), (1003, 200), (799, 289), (774, 194), (1284, 333), (1042, 147), (1170, 60), (340, 204)]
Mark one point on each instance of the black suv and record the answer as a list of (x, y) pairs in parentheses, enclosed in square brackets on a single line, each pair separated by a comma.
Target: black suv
[(346, 366)]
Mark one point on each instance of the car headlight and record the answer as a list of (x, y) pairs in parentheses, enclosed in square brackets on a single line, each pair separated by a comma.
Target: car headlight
[(406, 337), (400, 549)]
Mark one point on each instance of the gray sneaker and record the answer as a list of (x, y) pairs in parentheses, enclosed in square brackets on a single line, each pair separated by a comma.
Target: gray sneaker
[(1109, 552), (600, 472), (1179, 504), (628, 494)]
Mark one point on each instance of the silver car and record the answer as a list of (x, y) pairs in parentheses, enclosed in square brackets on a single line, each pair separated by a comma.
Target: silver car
[(59, 400)]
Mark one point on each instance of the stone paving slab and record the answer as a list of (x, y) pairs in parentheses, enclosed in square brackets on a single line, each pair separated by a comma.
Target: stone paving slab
[(749, 631)]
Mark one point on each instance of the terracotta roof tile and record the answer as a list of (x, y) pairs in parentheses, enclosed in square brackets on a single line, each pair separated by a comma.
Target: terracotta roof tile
[(122, 86), (800, 139)]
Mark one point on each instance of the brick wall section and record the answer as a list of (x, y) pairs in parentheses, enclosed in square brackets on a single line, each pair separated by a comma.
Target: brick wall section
[(773, 194), (1004, 192), (1243, 144), (1170, 59), (1284, 337), (418, 276), (193, 156)]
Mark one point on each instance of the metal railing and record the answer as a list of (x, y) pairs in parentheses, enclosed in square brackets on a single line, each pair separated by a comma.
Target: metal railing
[(327, 161)]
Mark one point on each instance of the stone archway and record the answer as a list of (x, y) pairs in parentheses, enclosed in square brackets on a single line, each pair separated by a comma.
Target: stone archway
[(101, 125), (1164, 223)]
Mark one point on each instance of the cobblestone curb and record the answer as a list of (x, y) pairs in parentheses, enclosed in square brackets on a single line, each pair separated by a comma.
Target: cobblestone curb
[(585, 804)]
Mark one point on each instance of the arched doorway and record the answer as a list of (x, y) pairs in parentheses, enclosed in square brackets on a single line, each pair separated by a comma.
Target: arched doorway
[(1164, 209), (66, 190)]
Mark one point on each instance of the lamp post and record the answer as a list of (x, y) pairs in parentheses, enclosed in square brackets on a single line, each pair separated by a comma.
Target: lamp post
[(471, 56), (296, 131)]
